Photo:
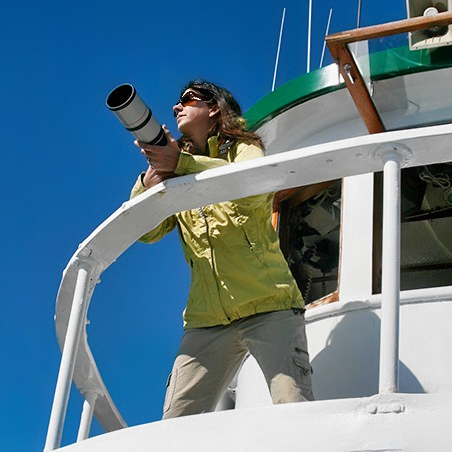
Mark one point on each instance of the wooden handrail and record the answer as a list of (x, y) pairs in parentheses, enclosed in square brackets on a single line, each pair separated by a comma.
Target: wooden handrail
[(392, 28)]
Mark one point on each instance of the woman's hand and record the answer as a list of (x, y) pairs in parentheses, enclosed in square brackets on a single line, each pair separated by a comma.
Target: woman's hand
[(163, 159), (153, 177)]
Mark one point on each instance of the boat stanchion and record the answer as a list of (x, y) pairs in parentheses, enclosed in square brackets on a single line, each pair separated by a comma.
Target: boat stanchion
[(87, 416), (394, 156), (86, 267)]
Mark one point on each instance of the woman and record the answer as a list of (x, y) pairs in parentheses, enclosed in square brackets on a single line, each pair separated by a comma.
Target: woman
[(243, 298)]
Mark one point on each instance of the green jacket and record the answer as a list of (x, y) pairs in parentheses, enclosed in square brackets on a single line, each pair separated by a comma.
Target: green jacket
[(237, 268)]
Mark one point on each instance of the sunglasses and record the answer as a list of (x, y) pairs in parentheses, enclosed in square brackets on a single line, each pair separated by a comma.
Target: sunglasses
[(190, 98)]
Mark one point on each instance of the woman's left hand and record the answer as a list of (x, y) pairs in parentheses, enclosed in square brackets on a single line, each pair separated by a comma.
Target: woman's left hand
[(161, 158)]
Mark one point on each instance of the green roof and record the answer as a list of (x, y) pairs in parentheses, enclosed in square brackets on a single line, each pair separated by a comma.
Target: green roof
[(384, 64)]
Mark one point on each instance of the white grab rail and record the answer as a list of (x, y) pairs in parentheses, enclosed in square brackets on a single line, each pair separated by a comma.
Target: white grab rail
[(304, 166)]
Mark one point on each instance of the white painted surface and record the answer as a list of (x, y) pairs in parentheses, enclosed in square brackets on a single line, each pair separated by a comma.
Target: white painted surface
[(410, 101), (390, 285), (355, 273), (252, 390), (397, 422), (344, 347)]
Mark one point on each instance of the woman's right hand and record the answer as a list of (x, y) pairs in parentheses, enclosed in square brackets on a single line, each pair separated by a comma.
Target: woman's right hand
[(153, 177)]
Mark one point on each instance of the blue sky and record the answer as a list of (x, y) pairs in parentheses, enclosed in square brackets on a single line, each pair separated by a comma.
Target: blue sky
[(67, 164)]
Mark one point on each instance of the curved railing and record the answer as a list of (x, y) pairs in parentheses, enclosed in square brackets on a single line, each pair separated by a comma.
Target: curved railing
[(328, 161)]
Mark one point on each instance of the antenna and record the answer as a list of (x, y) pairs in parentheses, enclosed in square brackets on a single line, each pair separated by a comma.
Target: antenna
[(279, 47), (326, 34), (308, 64), (358, 20), (358, 25)]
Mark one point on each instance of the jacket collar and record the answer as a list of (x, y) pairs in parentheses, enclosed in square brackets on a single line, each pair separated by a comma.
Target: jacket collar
[(213, 143), (218, 147)]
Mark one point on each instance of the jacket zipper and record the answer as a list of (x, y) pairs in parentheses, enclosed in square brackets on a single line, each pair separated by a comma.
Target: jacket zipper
[(214, 268), (204, 217)]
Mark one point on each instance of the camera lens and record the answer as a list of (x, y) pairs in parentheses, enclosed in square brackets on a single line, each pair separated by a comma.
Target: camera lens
[(135, 115)]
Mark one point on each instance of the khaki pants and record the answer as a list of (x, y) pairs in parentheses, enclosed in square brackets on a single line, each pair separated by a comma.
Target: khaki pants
[(208, 359)]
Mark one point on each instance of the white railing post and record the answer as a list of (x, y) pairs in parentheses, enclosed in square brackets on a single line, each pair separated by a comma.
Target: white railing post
[(390, 290), (69, 355), (87, 416)]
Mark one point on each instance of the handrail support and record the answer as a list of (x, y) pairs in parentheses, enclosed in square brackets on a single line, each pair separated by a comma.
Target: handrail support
[(393, 156), (69, 354), (87, 416)]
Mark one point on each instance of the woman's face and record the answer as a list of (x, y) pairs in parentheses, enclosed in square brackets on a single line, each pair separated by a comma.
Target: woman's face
[(193, 115)]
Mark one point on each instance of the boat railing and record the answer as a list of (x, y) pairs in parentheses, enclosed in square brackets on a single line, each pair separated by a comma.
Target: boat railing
[(387, 152)]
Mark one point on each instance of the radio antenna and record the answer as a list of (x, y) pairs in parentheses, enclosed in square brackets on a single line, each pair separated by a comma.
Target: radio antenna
[(358, 19), (279, 48), (308, 64), (326, 34)]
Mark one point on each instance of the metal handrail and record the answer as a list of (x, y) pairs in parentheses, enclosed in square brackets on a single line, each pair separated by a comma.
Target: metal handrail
[(303, 166)]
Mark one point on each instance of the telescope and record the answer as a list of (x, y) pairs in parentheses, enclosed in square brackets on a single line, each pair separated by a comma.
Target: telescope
[(135, 115)]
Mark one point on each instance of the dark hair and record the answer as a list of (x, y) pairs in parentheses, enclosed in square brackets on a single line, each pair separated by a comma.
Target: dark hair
[(231, 125)]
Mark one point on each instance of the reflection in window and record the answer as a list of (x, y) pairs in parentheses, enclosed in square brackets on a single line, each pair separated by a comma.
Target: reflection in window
[(426, 225), (426, 230), (309, 230)]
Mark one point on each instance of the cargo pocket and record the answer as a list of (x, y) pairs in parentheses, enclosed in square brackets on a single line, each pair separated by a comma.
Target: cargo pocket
[(170, 388), (303, 371)]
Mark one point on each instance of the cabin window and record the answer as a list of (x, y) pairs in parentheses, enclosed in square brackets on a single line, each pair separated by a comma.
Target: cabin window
[(426, 225), (309, 231)]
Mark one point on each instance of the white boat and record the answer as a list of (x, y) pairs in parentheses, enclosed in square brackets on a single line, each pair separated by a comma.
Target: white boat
[(360, 153)]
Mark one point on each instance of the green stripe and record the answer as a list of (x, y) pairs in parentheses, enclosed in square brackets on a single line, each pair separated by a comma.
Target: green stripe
[(384, 64)]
